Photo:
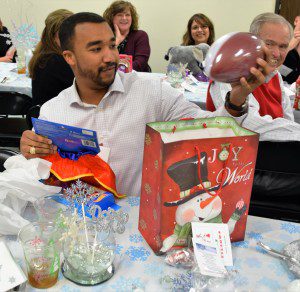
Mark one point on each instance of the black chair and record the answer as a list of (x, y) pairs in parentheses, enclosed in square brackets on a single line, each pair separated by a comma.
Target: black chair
[(13, 107), (14, 103), (276, 186), (266, 200), (33, 112), (4, 155)]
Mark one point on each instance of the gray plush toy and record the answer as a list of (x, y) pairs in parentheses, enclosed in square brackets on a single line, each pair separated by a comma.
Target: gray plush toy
[(193, 56)]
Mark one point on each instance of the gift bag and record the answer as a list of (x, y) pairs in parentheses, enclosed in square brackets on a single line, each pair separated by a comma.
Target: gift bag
[(195, 171)]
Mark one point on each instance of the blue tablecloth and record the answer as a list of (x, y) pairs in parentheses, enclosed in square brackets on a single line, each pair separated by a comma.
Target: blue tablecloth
[(137, 267)]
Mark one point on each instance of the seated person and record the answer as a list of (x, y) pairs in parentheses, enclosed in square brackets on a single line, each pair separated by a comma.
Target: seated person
[(270, 113), (48, 69), (6, 50), (292, 60), (116, 105), (123, 20), (199, 30), (268, 102)]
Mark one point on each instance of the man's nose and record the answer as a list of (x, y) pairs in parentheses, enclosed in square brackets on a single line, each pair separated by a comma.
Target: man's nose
[(275, 52), (108, 55)]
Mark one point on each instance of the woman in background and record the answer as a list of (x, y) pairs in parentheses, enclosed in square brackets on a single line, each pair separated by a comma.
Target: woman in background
[(200, 29), (49, 71), (292, 59), (6, 54), (123, 20)]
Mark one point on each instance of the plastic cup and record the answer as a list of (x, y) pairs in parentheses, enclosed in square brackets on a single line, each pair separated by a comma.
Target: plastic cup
[(49, 209), (42, 257), (21, 65)]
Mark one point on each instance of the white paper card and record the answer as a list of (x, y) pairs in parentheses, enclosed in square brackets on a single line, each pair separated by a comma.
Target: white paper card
[(284, 70), (11, 275), (207, 258), (104, 153), (218, 233)]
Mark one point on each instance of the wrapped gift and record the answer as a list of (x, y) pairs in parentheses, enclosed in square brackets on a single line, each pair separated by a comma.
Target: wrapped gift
[(125, 63), (195, 171)]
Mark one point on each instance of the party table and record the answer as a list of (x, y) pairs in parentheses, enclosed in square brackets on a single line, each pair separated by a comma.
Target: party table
[(10, 80), (137, 268)]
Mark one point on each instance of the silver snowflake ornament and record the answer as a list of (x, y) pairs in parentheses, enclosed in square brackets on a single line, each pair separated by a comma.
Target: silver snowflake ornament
[(109, 220)]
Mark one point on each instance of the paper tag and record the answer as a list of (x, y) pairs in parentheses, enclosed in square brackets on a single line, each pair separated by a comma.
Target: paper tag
[(11, 275), (207, 258), (219, 234), (104, 153), (186, 86), (193, 79), (284, 70)]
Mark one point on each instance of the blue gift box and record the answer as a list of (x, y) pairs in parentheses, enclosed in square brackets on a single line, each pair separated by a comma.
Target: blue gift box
[(104, 201)]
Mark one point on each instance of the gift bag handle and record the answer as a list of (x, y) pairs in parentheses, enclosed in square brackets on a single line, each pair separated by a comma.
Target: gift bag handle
[(223, 176)]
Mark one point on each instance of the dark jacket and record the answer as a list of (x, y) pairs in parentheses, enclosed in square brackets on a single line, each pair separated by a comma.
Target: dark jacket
[(292, 61), (3, 42), (139, 48), (49, 81)]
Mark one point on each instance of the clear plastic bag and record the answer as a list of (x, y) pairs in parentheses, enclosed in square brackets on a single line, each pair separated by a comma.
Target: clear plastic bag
[(208, 283)]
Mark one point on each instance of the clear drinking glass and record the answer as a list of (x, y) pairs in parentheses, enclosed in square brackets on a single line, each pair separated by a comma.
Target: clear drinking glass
[(39, 242), (49, 208)]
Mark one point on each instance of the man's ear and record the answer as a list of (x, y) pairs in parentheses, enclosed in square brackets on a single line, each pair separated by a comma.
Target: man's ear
[(69, 57)]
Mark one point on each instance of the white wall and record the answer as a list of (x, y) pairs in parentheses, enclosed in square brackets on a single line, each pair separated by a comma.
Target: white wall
[(163, 20)]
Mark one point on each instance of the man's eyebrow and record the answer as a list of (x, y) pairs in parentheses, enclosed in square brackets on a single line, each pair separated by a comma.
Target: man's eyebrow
[(90, 44), (94, 43)]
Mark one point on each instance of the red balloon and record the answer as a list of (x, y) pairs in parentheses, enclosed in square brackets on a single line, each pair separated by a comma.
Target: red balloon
[(232, 56)]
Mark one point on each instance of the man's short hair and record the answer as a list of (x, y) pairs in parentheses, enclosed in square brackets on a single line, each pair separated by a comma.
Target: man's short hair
[(260, 19), (67, 28)]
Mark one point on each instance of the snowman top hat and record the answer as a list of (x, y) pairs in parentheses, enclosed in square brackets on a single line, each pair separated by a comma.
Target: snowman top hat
[(185, 174)]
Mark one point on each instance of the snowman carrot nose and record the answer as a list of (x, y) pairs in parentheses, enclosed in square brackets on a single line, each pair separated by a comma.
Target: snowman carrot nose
[(206, 202)]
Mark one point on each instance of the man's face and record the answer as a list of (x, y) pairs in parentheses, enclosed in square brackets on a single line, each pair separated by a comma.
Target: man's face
[(276, 38), (94, 56)]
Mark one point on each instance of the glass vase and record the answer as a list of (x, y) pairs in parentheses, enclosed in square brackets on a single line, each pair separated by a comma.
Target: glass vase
[(89, 255)]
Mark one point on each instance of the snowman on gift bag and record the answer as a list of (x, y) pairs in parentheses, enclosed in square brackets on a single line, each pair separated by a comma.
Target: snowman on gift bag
[(199, 201)]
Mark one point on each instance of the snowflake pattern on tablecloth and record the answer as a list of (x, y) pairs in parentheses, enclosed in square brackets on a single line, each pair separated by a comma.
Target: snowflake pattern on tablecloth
[(136, 238), (254, 235), (269, 283), (154, 269), (290, 227), (240, 281), (138, 253), (133, 201), (126, 209), (253, 262), (237, 264), (286, 237), (127, 284), (243, 244), (67, 288), (182, 282), (277, 268), (119, 248)]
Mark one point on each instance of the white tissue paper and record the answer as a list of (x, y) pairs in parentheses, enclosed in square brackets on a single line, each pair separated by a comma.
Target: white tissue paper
[(19, 184)]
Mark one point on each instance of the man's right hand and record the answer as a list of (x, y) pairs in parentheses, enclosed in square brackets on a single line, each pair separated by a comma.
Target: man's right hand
[(41, 145)]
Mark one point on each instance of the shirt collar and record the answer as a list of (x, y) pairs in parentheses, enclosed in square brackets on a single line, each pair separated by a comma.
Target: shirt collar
[(116, 86)]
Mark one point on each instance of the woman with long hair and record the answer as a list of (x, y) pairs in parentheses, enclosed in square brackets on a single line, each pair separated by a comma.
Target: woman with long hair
[(6, 50), (199, 30), (49, 71), (123, 20)]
